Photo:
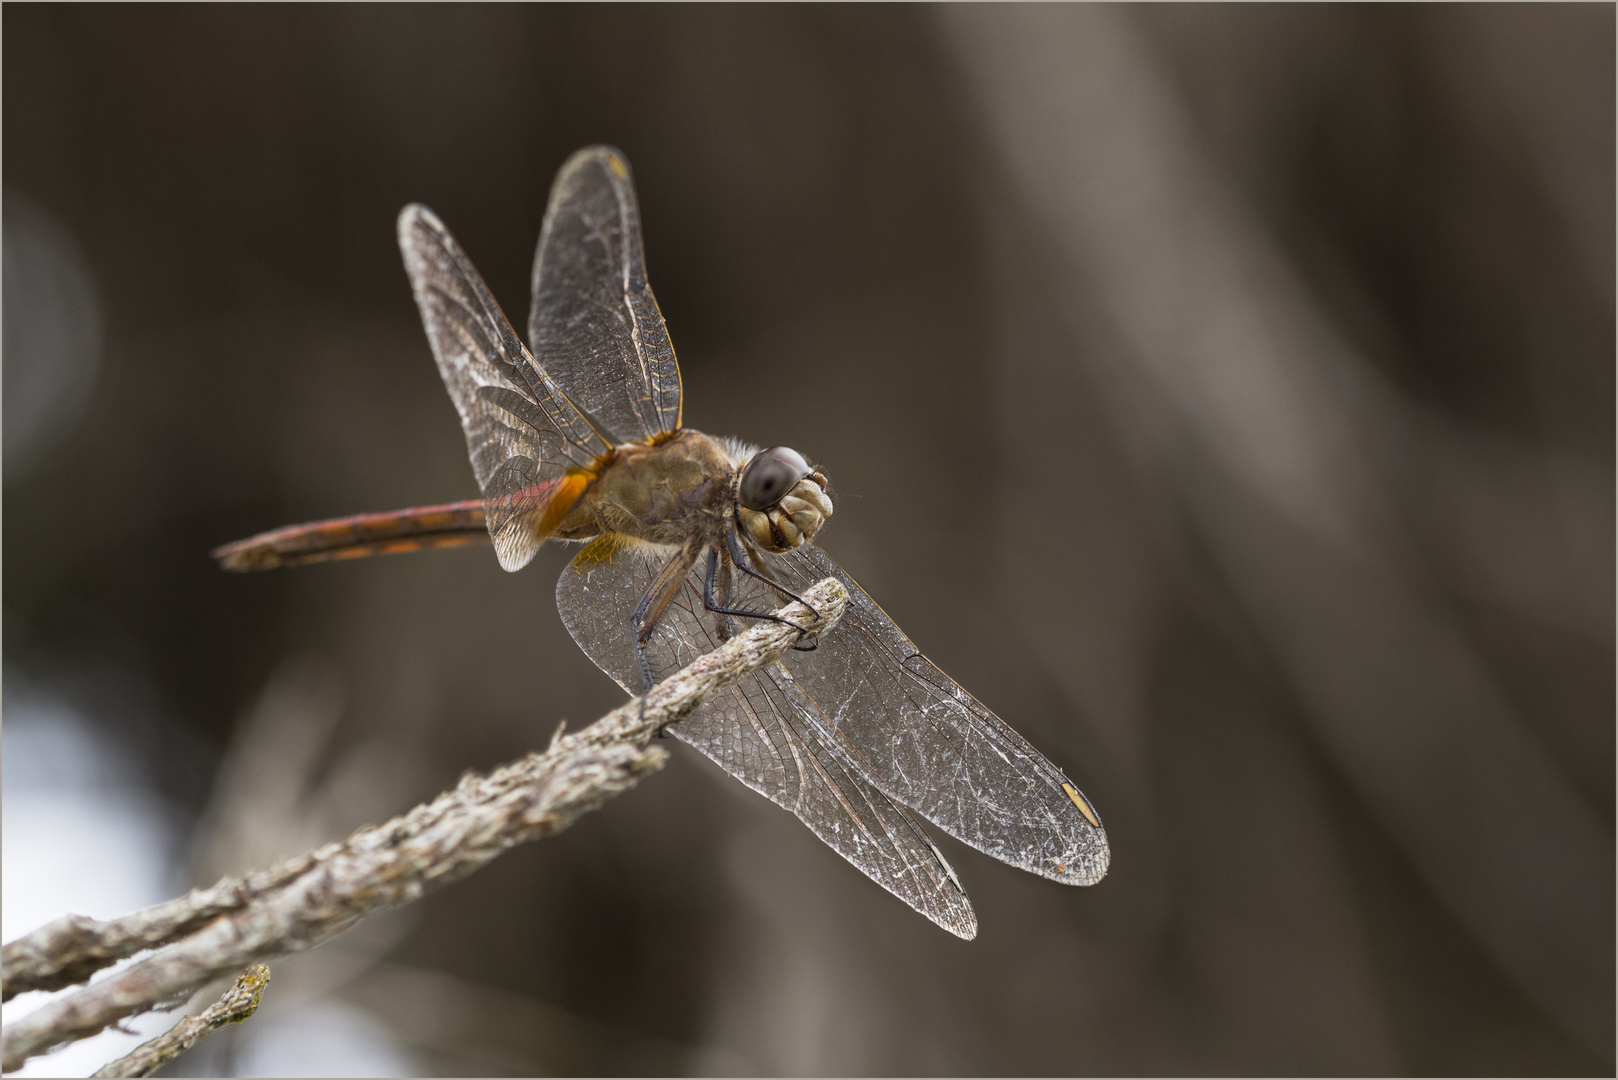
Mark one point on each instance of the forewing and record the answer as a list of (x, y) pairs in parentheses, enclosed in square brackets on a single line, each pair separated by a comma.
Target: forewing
[(929, 744), (595, 325), (529, 445), (756, 731)]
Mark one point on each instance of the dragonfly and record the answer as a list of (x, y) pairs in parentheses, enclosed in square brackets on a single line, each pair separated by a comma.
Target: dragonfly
[(577, 438)]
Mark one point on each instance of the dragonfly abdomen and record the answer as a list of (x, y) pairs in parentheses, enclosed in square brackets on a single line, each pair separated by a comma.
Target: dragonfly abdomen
[(446, 525)]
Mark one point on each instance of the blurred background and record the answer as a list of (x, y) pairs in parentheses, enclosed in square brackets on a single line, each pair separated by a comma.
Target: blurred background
[(1223, 394)]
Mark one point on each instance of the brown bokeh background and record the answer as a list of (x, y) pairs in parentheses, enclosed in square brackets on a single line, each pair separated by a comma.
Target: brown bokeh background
[(1223, 394)]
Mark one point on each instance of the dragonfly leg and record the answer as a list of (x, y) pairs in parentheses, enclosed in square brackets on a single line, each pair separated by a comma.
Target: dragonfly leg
[(738, 556), (718, 588), (712, 604), (649, 612)]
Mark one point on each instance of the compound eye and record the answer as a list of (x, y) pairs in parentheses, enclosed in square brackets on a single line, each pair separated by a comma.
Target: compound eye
[(769, 476)]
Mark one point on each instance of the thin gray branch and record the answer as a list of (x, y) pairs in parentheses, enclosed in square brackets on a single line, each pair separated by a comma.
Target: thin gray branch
[(239, 1002), (313, 897), (70, 949)]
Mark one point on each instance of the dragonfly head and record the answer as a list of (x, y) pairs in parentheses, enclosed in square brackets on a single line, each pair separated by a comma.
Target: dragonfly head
[(780, 501)]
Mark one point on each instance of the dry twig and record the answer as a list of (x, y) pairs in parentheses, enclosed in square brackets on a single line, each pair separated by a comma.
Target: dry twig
[(72, 948), (239, 1002), (309, 899)]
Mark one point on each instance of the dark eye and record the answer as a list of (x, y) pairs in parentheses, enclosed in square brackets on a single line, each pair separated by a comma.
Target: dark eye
[(769, 476)]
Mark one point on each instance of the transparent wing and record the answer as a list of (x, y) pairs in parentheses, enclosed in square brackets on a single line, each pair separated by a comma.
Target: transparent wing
[(929, 744), (595, 325), (757, 732), (531, 449), (912, 731)]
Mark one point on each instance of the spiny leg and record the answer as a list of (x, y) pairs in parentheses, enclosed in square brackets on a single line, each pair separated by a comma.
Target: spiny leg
[(738, 557), (649, 612), (720, 583), (710, 602)]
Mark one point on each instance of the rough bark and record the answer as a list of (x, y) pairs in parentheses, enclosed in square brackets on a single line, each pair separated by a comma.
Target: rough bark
[(311, 898), (239, 1002)]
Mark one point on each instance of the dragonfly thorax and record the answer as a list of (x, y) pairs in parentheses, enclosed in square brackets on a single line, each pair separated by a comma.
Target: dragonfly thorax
[(663, 492)]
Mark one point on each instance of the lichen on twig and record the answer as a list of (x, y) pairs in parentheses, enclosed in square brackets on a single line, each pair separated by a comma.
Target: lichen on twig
[(237, 1005), (306, 900)]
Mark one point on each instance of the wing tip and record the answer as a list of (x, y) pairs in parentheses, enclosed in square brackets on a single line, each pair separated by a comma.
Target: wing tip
[(511, 562), (417, 212), (610, 157), (1086, 866), (414, 219), (514, 548), (955, 915)]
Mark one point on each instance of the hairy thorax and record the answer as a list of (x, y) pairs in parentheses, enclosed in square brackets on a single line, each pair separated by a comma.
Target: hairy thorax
[(666, 492)]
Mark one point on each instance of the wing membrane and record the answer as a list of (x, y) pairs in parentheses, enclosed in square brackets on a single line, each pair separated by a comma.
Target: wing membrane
[(595, 325), (531, 449), (757, 731), (908, 729), (929, 744)]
